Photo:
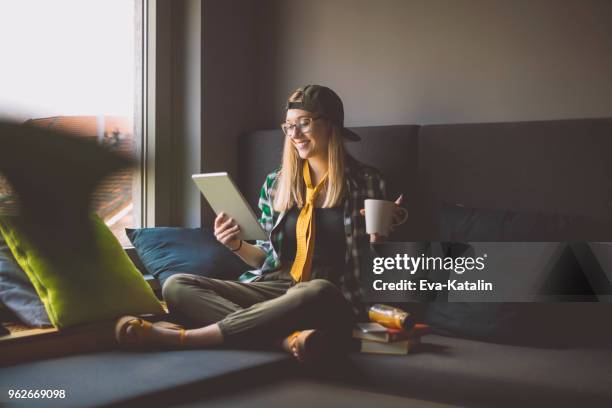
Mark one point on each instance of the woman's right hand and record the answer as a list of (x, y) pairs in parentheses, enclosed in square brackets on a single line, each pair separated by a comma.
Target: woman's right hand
[(227, 231)]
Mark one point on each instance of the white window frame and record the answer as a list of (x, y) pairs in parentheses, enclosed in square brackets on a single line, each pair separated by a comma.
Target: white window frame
[(154, 117), (171, 114)]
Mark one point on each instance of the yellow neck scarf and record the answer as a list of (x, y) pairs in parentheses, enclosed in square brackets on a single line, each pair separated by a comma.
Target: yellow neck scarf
[(305, 229)]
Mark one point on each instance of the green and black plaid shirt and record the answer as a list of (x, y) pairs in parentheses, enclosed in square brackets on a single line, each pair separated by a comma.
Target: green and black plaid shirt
[(361, 182)]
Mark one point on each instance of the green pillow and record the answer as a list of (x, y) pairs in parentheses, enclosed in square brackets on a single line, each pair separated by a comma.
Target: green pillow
[(76, 290)]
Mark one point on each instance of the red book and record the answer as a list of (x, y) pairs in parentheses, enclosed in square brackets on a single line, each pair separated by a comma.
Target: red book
[(378, 333)]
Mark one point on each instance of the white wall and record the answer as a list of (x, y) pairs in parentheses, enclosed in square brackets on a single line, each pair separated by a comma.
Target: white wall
[(439, 61), (229, 51), (187, 111), (401, 62)]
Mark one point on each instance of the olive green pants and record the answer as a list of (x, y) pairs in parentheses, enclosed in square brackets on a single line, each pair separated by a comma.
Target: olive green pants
[(259, 312)]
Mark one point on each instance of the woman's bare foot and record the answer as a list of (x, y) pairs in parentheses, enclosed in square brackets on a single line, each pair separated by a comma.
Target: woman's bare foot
[(133, 331), (289, 344), (159, 335), (306, 345)]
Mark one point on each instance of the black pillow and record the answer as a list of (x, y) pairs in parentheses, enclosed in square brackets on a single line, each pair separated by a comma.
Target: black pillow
[(504, 321), (463, 224), (165, 251)]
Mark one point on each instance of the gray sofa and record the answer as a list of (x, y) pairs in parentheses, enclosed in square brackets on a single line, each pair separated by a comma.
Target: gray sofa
[(553, 177), (559, 167)]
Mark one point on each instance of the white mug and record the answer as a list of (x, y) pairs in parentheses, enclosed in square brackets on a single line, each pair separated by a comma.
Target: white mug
[(379, 216)]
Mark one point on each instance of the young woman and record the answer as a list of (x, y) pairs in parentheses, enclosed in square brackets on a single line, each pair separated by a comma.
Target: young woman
[(306, 282)]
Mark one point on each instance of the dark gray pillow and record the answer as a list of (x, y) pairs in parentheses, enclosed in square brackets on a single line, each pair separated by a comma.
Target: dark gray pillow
[(462, 224), (17, 292), (559, 276), (595, 259)]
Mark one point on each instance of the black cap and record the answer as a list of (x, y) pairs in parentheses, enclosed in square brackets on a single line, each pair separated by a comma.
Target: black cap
[(322, 101)]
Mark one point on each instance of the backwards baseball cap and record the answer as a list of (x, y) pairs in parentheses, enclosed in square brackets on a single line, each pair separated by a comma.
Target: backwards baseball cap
[(321, 100)]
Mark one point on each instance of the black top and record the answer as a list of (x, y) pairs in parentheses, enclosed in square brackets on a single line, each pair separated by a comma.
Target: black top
[(330, 244)]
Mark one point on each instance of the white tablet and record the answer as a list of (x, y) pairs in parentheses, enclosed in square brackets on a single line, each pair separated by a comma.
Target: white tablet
[(223, 196)]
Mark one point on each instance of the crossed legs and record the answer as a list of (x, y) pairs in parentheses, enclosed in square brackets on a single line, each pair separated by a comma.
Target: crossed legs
[(255, 313)]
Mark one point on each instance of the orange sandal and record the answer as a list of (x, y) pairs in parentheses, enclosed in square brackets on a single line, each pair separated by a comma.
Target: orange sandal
[(307, 345), (140, 333), (168, 325)]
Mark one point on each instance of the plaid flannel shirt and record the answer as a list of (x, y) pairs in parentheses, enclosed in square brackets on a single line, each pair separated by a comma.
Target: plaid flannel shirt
[(361, 182)]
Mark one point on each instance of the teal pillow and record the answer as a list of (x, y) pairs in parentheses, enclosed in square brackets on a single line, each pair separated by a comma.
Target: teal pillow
[(77, 290), (165, 251)]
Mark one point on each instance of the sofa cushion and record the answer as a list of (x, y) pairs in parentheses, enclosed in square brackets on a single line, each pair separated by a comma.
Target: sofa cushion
[(556, 165), (17, 292), (165, 251), (471, 373), (81, 289), (143, 378)]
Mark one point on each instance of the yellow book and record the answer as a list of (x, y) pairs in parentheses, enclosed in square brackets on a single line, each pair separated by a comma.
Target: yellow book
[(401, 347)]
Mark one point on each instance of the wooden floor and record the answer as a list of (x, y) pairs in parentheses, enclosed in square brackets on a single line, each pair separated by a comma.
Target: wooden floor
[(26, 344)]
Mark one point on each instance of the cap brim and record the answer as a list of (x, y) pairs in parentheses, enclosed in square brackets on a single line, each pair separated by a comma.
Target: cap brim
[(350, 135)]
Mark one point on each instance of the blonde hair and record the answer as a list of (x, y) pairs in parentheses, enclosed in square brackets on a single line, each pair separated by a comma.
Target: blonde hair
[(290, 186)]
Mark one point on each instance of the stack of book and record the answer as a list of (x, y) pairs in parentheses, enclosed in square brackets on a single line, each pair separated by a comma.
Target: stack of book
[(376, 338)]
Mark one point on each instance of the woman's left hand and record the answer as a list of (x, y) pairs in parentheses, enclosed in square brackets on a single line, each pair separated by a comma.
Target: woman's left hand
[(397, 215)]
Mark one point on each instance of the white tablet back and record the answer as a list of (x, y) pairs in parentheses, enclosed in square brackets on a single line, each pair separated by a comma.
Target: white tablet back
[(223, 196)]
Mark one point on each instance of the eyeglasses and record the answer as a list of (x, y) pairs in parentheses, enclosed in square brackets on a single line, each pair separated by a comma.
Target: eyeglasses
[(304, 124)]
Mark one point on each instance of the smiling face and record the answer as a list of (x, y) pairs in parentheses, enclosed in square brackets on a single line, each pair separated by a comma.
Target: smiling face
[(309, 141)]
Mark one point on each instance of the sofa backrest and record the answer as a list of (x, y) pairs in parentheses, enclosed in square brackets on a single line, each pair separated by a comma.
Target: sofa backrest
[(559, 167)]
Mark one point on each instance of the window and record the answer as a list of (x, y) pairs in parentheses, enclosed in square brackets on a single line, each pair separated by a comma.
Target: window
[(76, 65)]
